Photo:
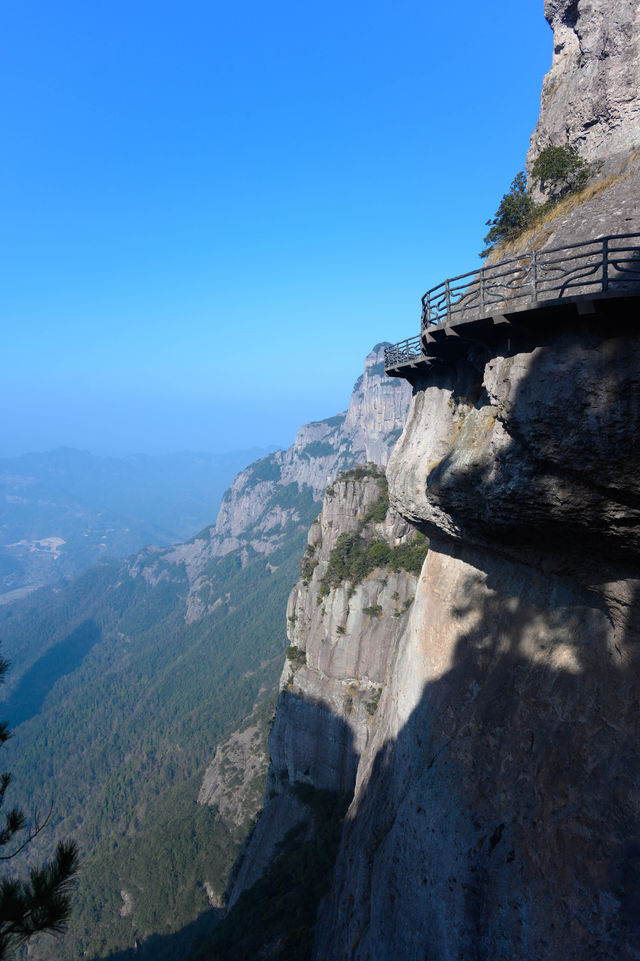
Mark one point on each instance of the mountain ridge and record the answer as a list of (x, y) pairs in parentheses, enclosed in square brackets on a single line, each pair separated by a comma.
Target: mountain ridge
[(176, 654), (486, 808), (63, 510)]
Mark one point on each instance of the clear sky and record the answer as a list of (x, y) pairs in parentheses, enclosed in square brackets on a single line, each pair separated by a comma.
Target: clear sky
[(212, 211)]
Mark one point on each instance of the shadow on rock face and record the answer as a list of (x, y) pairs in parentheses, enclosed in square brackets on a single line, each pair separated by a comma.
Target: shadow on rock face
[(169, 947), (504, 820), (287, 864), (544, 463)]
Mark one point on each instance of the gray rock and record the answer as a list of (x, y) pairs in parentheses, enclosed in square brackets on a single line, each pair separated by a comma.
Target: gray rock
[(329, 693), (541, 464), (253, 517), (591, 95), (496, 810)]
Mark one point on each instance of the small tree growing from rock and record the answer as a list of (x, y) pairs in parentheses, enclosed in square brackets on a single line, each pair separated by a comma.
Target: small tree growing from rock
[(556, 173), (559, 171), (512, 216)]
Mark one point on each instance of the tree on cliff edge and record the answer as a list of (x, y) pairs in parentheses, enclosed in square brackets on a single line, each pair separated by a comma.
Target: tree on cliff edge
[(43, 902)]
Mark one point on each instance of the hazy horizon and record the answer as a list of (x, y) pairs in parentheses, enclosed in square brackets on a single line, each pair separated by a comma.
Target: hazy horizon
[(212, 213), (259, 450)]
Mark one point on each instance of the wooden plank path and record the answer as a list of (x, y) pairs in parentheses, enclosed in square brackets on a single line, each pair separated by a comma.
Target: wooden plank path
[(579, 274)]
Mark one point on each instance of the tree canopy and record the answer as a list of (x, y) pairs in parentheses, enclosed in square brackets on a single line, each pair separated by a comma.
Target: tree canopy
[(559, 171), (512, 216), (43, 901)]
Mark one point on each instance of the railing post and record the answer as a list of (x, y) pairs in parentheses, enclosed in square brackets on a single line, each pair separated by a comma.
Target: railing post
[(482, 289), (534, 275), (605, 264), (448, 298)]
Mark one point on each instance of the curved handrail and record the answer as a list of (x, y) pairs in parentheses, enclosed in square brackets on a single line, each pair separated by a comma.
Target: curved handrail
[(594, 268), (591, 265)]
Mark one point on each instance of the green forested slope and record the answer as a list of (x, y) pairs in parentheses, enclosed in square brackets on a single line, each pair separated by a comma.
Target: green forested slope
[(64, 510), (121, 741), (129, 682)]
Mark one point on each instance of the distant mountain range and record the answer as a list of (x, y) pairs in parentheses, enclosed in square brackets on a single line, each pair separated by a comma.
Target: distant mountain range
[(64, 510), (129, 681)]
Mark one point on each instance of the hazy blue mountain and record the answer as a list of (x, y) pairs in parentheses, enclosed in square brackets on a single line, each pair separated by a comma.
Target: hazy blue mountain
[(144, 678), (64, 510)]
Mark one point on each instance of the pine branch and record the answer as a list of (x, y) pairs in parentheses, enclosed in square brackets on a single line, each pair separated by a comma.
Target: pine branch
[(41, 904), (15, 821)]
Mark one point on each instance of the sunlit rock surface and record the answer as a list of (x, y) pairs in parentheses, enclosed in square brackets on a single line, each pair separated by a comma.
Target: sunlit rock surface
[(342, 644), (496, 812), (496, 809), (591, 94), (268, 499)]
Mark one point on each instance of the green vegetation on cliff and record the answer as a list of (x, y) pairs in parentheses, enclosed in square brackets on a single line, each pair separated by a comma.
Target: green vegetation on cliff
[(121, 734), (354, 558), (276, 917), (557, 172), (356, 554)]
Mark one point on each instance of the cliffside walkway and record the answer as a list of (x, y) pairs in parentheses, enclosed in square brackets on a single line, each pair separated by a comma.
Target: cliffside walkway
[(520, 292)]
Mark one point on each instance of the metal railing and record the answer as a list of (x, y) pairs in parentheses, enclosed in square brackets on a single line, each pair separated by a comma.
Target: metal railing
[(403, 353), (591, 267), (604, 267)]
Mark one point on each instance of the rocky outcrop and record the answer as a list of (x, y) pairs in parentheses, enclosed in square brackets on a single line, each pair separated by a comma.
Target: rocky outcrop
[(273, 495), (591, 95), (591, 102), (234, 781), (262, 511), (495, 811), (495, 814), (530, 451), (344, 617), (365, 432)]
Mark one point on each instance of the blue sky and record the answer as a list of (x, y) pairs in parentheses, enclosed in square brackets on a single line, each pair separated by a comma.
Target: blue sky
[(211, 211)]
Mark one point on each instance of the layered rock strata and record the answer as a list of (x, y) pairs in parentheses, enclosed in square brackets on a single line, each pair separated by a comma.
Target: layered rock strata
[(269, 498), (496, 812), (591, 95), (343, 634)]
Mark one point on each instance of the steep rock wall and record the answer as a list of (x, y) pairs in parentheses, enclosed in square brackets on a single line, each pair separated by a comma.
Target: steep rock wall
[(531, 451), (496, 812), (591, 101), (343, 637), (269, 498), (365, 432), (591, 95)]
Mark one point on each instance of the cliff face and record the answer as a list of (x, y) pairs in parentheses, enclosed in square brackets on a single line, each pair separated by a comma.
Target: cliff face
[(261, 512), (345, 617), (495, 813), (365, 432), (487, 731), (591, 101), (530, 452), (591, 95), (271, 497), (495, 810)]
